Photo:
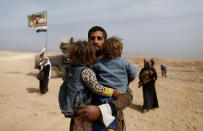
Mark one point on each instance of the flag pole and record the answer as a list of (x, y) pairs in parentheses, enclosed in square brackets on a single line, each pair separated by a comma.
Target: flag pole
[(46, 43), (39, 21), (46, 35)]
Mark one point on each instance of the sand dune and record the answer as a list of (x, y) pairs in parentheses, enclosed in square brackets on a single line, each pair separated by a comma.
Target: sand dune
[(22, 108)]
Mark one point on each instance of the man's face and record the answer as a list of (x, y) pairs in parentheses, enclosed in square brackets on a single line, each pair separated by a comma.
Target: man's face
[(97, 39)]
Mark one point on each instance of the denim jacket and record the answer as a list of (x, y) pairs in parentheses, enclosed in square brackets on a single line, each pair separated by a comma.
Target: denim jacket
[(73, 92), (115, 73)]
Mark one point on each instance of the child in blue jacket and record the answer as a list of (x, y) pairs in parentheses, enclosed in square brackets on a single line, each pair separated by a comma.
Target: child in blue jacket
[(114, 72)]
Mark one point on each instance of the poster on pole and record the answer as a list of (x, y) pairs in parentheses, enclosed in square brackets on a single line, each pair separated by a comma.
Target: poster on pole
[(37, 19)]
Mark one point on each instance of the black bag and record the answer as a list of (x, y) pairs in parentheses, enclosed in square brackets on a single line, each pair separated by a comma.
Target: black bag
[(40, 75)]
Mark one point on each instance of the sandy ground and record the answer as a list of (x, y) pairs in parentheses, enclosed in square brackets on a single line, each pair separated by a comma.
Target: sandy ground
[(22, 108)]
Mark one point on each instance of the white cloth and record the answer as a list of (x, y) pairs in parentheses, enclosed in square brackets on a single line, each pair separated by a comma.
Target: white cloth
[(43, 50), (164, 66), (48, 63), (106, 114)]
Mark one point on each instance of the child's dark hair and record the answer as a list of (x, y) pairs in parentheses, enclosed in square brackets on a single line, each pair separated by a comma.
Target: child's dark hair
[(82, 53), (112, 47)]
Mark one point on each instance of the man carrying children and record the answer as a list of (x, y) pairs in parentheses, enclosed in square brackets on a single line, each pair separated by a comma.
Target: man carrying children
[(109, 101), (97, 36)]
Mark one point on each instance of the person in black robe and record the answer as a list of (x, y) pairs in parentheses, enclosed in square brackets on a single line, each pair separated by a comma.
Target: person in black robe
[(148, 77), (45, 67)]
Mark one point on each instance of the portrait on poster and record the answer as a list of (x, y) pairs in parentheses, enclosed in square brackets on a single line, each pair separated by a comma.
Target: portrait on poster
[(37, 19)]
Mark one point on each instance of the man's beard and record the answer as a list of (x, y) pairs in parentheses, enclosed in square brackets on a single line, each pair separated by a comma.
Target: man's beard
[(98, 53)]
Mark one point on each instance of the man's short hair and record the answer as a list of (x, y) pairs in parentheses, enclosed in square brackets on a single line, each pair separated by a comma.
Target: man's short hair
[(97, 28)]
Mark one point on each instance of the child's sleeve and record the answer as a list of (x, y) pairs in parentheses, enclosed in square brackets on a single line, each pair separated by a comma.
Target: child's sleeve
[(89, 78), (131, 70)]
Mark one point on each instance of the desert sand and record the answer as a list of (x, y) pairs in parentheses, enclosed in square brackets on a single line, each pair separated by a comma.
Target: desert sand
[(23, 108)]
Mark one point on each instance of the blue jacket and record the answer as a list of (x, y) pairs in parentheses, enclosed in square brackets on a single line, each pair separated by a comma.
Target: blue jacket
[(73, 92), (115, 73)]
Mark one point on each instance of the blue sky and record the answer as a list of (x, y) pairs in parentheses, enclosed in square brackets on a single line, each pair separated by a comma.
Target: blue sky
[(157, 28)]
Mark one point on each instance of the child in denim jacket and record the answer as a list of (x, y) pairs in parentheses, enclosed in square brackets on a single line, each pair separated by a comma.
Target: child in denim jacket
[(114, 72), (79, 83)]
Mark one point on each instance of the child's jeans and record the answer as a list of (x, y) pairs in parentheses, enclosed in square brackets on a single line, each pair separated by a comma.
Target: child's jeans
[(98, 125)]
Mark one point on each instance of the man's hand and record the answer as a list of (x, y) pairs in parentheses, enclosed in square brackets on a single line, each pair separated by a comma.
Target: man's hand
[(116, 93), (89, 112)]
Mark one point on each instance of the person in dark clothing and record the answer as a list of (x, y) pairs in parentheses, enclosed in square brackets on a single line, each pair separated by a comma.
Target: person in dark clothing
[(45, 67), (148, 77), (164, 70)]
